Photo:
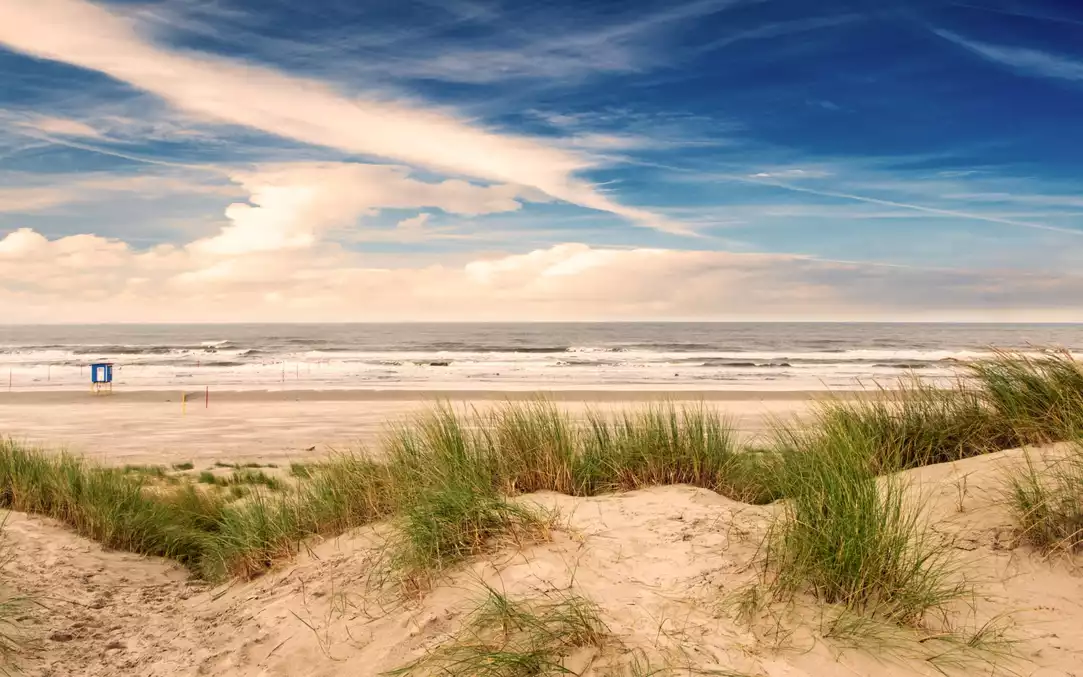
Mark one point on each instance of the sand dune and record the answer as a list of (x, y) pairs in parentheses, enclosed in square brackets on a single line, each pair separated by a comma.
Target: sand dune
[(661, 563)]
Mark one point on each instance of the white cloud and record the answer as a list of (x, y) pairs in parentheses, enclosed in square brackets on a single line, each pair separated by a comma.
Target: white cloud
[(89, 278), (293, 205), (225, 90), (1028, 61)]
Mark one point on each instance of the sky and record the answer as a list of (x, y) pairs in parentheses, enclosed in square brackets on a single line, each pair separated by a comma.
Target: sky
[(476, 160)]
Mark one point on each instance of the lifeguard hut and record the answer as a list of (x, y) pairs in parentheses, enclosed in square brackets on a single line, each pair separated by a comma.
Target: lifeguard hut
[(101, 378)]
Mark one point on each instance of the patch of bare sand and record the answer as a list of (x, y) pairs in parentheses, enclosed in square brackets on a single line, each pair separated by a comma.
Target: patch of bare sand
[(153, 428), (661, 564)]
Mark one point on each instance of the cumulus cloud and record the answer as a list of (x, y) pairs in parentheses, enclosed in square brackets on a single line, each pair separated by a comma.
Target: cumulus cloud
[(89, 278), (231, 91), (292, 205)]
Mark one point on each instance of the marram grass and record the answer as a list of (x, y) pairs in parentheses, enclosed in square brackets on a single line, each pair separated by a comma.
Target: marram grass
[(504, 637), (853, 539), (444, 480), (1046, 496)]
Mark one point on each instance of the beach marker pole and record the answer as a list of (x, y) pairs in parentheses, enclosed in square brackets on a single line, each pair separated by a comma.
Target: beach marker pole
[(207, 401), (184, 402)]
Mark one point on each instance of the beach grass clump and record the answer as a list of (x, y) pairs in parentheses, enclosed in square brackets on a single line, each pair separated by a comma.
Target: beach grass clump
[(105, 504), (1046, 496), (347, 491), (665, 444), (530, 637), (538, 447), (186, 465), (445, 493), (855, 540), (208, 477), (1040, 397), (533, 446), (253, 535), (301, 471), (916, 425), (255, 477), (148, 470)]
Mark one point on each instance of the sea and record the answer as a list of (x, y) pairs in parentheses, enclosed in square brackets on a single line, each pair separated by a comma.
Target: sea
[(586, 356)]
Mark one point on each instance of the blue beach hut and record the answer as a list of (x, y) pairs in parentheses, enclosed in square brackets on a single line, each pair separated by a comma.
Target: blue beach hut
[(101, 377)]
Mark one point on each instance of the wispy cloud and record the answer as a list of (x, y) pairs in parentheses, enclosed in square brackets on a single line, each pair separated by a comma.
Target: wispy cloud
[(83, 34), (62, 126), (953, 213), (1021, 59), (29, 193)]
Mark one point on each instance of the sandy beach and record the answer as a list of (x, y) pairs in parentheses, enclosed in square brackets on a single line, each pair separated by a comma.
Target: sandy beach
[(674, 571), (275, 426)]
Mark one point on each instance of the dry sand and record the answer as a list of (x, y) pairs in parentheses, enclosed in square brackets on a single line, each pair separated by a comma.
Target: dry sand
[(276, 426), (660, 563)]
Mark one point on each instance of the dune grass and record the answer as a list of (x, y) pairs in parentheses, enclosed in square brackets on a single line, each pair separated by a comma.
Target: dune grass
[(916, 425), (537, 447), (1046, 497), (202, 530), (853, 539), (300, 470), (516, 638), (445, 479), (1041, 398), (445, 491)]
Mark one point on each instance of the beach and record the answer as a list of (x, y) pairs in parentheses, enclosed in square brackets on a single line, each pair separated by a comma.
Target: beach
[(302, 425), (600, 529)]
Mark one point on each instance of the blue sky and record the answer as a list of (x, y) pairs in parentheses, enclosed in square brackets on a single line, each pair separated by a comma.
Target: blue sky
[(218, 159)]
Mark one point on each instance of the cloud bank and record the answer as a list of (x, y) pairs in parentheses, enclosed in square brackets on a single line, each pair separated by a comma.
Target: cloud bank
[(86, 278)]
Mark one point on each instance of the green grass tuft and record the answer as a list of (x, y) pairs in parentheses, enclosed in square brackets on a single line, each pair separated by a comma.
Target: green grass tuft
[(1041, 398), (852, 539), (300, 470), (917, 425), (255, 477), (1047, 500), (444, 488), (516, 638), (148, 470), (208, 477), (187, 465)]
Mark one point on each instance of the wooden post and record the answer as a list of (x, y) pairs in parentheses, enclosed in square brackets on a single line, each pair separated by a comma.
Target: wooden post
[(207, 400)]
